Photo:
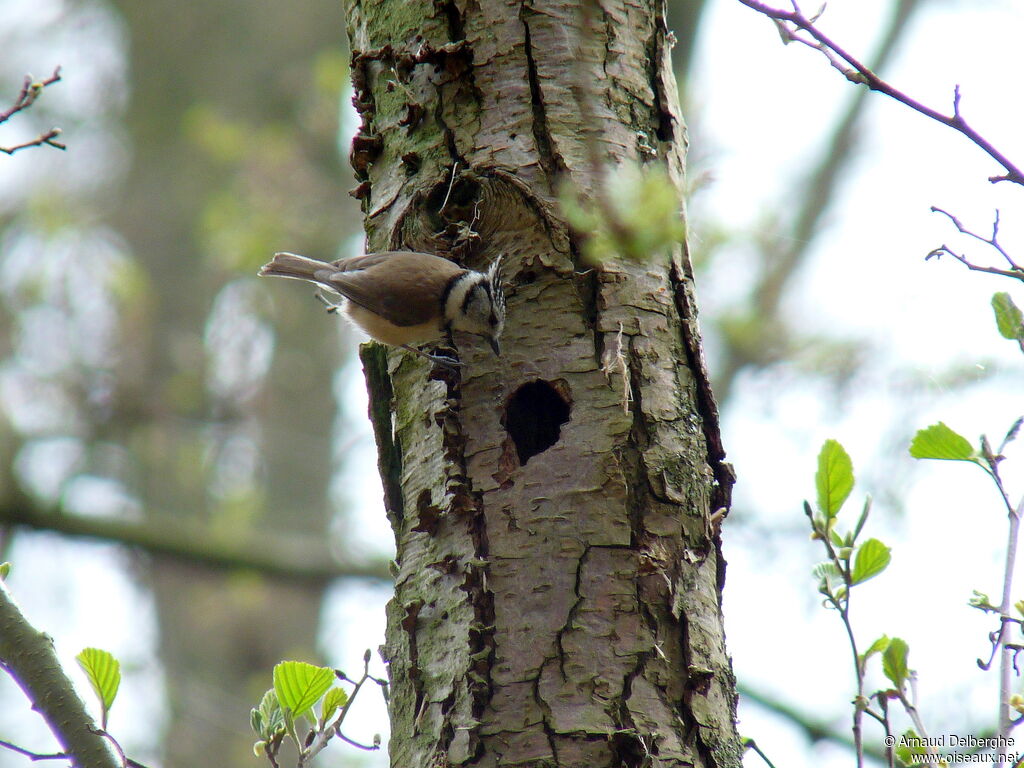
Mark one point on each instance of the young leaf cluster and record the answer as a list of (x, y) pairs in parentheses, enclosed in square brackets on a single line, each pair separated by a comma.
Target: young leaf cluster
[(850, 562), (305, 706), (1009, 318)]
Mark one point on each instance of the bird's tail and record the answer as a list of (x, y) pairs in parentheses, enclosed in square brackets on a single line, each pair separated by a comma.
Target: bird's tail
[(295, 266)]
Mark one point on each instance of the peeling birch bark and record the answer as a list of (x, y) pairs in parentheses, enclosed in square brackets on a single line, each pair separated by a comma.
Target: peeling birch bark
[(557, 599)]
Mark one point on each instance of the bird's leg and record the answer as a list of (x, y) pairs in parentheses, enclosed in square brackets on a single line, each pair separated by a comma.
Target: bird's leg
[(332, 306), (445, 360)]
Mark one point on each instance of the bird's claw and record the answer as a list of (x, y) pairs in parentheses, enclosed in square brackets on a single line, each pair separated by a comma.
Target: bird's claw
[(446, 361)]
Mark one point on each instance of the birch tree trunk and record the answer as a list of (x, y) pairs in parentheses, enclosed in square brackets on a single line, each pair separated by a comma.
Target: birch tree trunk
[(557, 601)]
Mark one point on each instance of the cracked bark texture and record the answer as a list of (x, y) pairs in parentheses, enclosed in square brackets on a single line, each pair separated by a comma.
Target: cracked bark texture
[(564, 611)]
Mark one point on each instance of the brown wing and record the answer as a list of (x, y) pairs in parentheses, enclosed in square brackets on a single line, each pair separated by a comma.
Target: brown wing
[(414, 284)]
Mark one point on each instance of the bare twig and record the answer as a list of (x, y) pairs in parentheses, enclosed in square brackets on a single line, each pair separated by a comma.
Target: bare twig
[(45, 138), (30, 91), (33, 756), (1016, 271), (354, 743), (126, 761), (857, 72)]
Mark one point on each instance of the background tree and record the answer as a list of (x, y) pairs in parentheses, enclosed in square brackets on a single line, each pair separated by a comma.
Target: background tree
[(211, 416), (233, 147)]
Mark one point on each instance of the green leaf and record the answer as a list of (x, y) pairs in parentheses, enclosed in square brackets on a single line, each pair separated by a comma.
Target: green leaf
[(826, 570), (335, 699), (834, 478), (940, 442), (913, 745), (299, 685), (104, 673), (894, 662), (862, 519), (981, 601), (878, 646), (904, 755), (268, 719), (5, 570), (256, 721), (1009, 318), (872, 558), (1011, 434)]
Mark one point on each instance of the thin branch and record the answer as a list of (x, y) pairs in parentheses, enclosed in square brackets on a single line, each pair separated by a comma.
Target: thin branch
[(1016, 271), (945, 249), (30, 91), (857, 72), (33, 756), (46, 138), (367, 747), (113, 742)]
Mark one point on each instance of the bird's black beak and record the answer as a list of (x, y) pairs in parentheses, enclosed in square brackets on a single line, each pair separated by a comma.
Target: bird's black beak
[(495, 346)]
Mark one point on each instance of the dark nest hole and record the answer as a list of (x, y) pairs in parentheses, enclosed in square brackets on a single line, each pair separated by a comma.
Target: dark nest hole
[(534, 416)]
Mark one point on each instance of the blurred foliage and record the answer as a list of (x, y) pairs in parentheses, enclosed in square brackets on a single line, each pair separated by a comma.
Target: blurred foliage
[(638, 217), (139, 352)]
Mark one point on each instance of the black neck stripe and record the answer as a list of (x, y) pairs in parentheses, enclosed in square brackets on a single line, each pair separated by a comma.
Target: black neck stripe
[(457, 277), (469, 294)]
